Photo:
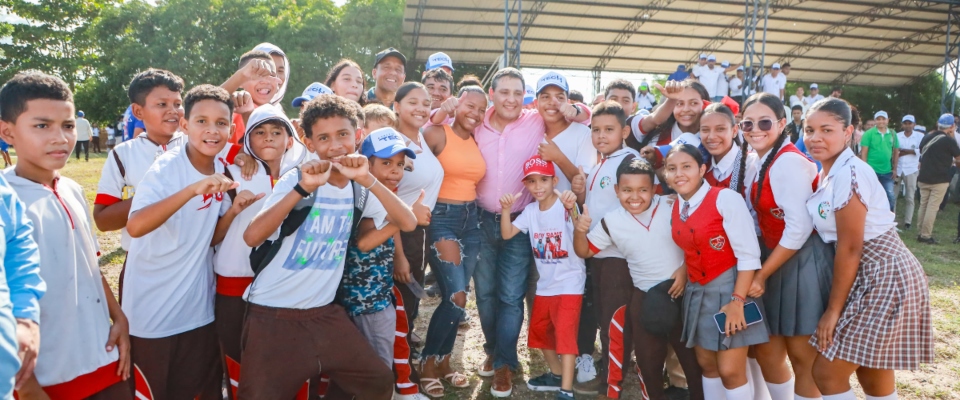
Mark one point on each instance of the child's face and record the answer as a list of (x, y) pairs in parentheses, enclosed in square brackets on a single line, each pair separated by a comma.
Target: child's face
[(623, 97), (716, 134), (471, 109), (161, 111), (278, 61), (44, 134), (762, 140), (349, 84), (263, 89), (635, 192), (607, 134), (688, 108), (270, 140), (683, 174), (388, 171), (549, 101), (414, 109), (332, 138), (825, 136), (439, 91), (208, 127), (540, 186)]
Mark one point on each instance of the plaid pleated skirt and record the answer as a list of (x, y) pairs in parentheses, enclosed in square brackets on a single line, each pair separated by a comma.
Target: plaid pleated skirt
[(886, 322)]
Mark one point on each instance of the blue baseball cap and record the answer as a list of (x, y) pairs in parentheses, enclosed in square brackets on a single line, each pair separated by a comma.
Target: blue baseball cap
[(946, 119), (529, 95), (552, 78), (681, 67), (315, 89), (385, 143), (80, 113), (438, 60)]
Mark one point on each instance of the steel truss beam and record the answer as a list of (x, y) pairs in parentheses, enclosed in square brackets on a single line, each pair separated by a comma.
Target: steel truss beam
[(633, 26), (933, 34), (752, 63), (512, 39), (416, 26), (951, 58), (733, 31)]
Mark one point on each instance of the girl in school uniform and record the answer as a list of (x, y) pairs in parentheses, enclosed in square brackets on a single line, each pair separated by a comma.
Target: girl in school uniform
[(713, 227), (877, 319), (678, 114), (797, 268), (730, 160)]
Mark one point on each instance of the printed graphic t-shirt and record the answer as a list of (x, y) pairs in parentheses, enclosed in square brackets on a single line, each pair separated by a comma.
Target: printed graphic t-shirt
[(307, 269), (551, 236)]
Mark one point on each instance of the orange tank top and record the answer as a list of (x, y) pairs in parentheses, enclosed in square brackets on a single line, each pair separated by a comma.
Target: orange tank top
[(463, 167)]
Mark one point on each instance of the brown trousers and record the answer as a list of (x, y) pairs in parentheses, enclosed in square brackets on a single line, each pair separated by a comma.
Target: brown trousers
[(283, 348), (182, 366), (612, 288)]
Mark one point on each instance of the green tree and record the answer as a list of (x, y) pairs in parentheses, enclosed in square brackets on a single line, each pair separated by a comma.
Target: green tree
[(368, 26), (55, 38)]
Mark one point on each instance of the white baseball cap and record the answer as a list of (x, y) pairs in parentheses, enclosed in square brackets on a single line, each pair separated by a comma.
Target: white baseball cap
[(740, 68), (438, 60), (725, 63), (703, 55), (910, 118), (879, 114), (814, 86), (775, 66), (529, 95), (315, 89), (552, 78), (686, 138), (711, 58)]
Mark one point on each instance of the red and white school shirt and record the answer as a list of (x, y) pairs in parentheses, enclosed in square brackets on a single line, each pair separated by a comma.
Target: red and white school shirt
[(781, 210)]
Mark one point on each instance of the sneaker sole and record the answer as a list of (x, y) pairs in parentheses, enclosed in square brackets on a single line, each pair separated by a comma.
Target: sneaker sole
[(485, 374), (586, 392), (499, 394), (543, 388)]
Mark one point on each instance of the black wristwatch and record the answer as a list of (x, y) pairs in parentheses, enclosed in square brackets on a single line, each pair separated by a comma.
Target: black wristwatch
[(303, 192)]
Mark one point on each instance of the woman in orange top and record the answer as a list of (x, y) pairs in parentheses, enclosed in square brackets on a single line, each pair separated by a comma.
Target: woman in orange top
[(455, 234)]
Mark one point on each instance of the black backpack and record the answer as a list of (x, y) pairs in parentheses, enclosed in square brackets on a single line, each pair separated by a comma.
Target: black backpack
[(261, 256)]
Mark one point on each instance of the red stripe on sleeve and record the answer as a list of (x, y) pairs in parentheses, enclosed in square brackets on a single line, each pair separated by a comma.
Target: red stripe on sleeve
[(593, 248), (234, 150), (106, 199)]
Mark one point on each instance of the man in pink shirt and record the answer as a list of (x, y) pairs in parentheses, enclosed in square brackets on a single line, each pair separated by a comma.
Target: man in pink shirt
[(508, 137)]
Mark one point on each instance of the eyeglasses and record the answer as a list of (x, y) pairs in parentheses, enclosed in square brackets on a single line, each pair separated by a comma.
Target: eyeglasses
[(763, 125)]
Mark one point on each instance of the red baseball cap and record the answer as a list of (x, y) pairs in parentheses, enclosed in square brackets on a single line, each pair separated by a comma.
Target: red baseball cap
[(536, 165)]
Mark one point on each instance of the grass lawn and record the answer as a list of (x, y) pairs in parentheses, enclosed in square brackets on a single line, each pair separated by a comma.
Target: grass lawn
[(940, 380)]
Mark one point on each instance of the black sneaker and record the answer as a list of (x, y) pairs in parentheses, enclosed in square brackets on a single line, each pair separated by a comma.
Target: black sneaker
[(432, 291), (547, 382), (906, 226), (676, 393), (929, 240), (564, 395)]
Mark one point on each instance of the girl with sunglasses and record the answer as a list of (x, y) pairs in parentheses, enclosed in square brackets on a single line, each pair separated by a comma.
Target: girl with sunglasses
[(794, 280), (878, 315), (730, 160), (713, 227)]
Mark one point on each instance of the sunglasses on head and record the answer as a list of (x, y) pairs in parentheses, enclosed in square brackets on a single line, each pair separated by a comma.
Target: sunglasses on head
[(763, 125)]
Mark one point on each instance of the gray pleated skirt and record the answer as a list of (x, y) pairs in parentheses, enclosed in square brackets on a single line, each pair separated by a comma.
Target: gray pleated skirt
[(701, 302), (797, 294)]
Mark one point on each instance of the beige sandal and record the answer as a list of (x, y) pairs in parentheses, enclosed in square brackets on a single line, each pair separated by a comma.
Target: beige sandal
[(432, 387), (457, 380)]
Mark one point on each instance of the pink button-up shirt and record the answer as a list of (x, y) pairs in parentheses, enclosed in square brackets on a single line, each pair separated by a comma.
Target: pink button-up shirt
[(505, 152)]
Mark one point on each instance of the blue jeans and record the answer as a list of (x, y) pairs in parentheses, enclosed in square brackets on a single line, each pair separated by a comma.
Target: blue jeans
[(458, 223), (501, 282), (886, 180)]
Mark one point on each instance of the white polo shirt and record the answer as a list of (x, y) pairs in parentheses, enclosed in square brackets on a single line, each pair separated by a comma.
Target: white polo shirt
[(575, 143), (601, 195), (773, 85), (910, 163)]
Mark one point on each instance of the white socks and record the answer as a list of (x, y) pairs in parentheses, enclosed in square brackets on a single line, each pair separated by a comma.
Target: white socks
[(755, 378), (799, 397), (891, 396), (781, 390), (713, 389), (742, 392), (842, 396)]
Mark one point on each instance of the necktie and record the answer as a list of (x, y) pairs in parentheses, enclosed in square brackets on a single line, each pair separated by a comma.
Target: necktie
[(685, 211)]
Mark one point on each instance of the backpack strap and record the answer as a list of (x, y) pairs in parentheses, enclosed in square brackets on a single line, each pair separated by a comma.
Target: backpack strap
[(360, 196), (116, 157), (261, 256), (232, 192), (603, 223)]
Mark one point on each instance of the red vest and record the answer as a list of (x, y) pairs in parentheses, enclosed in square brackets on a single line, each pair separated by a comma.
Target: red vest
[(769, 215), (706, 248), (715, 183)]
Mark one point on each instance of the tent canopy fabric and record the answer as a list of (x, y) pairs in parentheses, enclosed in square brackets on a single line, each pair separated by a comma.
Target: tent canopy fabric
[(861, 42)]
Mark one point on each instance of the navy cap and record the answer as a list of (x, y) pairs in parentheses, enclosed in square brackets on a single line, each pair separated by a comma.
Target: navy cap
[(390, 52)]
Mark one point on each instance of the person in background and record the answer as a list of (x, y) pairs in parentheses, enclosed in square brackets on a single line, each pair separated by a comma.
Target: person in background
[(389, 71), (575, 97), (909, 166), (111, 134), (346, 80), (469, 80), (836, 92), (439, 85), (678, 75), (773, 82), (701, 63), (84, 133), (795, 127), (938, 152), (5, 151), (709, 76), (736, 86), (439, 60), (645, 99), (798, 99), (131, 125), (723, 83), (880, 148), (815, 95)]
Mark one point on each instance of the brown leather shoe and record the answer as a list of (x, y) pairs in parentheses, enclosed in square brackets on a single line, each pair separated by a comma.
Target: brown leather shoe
[(592, 387), (502, 382), (486, 369)]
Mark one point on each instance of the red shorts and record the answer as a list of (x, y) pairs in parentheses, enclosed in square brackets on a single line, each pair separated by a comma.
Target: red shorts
[(554, 323)]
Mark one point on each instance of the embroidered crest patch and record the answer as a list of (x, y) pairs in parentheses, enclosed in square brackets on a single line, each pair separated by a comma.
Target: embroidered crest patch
[(718, 242), (777, 213), (822, 209)]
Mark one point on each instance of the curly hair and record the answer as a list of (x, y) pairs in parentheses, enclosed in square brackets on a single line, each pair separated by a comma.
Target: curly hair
[(30, 85), (206, 92), (328, 106)]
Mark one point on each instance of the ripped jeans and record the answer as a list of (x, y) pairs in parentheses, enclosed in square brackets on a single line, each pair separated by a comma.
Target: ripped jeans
[(458, 223)]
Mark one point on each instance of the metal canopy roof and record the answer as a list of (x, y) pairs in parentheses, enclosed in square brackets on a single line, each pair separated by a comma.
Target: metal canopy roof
[(861, 42)]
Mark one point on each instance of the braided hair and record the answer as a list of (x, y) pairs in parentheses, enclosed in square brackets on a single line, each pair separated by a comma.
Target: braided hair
[(667, 126), (737, 179), (773, 103)]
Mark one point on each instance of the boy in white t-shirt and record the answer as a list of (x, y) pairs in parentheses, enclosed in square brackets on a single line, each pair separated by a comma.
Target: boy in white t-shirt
[(82, 354), (556, 309), (293, 327), (270, 139), (168, 288), (640, 228)]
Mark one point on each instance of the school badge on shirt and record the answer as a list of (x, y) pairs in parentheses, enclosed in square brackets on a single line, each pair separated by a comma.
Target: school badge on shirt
[(777, 213), (822, 209), (718, 242)]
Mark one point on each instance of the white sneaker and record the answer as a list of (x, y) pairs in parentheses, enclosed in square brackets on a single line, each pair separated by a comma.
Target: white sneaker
[(415, 396), (586, 371)]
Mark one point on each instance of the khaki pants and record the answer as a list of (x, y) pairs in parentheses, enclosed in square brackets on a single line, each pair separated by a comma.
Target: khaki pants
[(910, 181), (930, 197)]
